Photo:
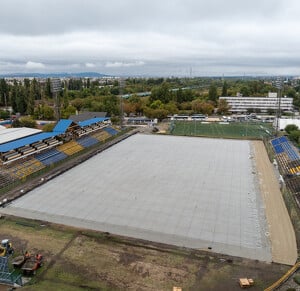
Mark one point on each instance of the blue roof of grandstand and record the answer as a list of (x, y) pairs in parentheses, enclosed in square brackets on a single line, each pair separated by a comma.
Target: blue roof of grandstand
[(92, 121), (25, 141), (62, 125)]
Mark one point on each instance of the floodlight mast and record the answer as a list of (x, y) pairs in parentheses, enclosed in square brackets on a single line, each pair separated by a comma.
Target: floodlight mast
[(278, 85), (55, 89)]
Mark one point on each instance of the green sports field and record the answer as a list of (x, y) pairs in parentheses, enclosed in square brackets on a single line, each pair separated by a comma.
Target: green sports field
[(246, 130)]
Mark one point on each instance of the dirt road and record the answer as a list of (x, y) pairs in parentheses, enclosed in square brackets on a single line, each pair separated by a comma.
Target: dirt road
[(282, 235)]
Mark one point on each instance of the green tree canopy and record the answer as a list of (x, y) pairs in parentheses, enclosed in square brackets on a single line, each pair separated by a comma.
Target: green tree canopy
[(291, 127), (212, 92)]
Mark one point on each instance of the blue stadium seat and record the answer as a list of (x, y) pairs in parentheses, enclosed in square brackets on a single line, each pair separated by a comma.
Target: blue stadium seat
[(111, 130), (275, 142), (50, 157), (290, 151), (278, 149), (87, 141), (283, 139)]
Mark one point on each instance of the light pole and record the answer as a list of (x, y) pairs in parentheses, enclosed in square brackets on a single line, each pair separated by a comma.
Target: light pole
[(278, 85), (55, 89)]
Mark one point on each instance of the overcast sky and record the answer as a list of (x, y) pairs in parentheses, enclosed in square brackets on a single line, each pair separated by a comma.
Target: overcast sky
[(153, 37)]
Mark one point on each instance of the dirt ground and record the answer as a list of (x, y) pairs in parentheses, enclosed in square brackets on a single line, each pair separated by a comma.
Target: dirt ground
[(282, 235), (83, 260)]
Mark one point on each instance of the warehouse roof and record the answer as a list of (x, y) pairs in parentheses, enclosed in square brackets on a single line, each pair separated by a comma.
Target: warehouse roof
[(86, 116), (25, 141), (10, 134)]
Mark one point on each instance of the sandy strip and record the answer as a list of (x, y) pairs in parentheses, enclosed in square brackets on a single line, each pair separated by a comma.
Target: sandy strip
[(282, 235)]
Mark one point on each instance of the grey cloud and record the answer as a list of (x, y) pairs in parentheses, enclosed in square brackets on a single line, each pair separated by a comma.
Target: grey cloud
[(150, 37)]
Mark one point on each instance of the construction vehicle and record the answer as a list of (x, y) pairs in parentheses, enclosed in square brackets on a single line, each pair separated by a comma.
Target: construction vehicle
[(6, 248)]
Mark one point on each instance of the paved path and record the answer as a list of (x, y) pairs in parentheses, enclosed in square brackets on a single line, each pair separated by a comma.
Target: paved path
[(282, 235)]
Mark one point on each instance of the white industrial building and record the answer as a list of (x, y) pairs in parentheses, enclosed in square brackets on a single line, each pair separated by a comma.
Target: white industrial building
[(283, 122), (240, 104)]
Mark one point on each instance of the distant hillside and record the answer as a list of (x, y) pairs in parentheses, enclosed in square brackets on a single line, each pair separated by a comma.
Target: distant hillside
[(54, 75)]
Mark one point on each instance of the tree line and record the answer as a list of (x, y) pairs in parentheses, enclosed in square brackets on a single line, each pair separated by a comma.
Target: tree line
[(168, 95)]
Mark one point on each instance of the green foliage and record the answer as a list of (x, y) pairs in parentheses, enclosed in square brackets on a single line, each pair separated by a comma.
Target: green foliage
[(66, 112), (161, 93), (200, 106), (44, 112), (4, 93), (25, 121), (156, 104), (294, 136), (160, 114), (224, 89), (245, 91), (4, 114), (77, 103), (213, 93), (291, 127), (223, 107), (48, 127)]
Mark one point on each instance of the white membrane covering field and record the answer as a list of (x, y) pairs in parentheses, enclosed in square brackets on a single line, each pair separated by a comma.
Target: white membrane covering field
[(194, 192)]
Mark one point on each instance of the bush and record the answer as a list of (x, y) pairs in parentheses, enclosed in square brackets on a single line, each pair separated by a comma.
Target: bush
[(24, 122), (48, 127), (291, 127)]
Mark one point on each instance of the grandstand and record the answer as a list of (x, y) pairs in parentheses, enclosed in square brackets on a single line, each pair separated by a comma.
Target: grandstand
[(65, 130), (289, 162), (33, 150)]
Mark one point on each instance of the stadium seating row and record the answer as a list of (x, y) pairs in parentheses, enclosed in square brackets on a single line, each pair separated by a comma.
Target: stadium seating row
[(281, 145), (70, 148)]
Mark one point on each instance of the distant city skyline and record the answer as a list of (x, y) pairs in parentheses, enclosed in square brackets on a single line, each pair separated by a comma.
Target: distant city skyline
[(151, 38)]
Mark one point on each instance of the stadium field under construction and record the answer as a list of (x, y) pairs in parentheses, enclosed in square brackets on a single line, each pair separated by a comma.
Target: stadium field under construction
[(198, 193), (240, 130)]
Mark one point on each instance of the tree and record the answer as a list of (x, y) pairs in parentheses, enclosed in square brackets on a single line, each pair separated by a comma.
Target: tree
[(171, 108), (77, 103), (161, 93), (200, 106), (3, 92), (295, 136), (245, 91), (291, 127), (224, 89), (212, 92), (223, 107), (48, 127), (47, 90), (66, 112), (24, 122)]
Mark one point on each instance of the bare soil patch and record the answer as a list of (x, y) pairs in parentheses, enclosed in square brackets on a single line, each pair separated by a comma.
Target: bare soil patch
[(282, 234)]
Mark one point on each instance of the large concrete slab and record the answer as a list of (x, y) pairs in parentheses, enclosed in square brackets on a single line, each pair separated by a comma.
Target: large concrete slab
[(194, 192)]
